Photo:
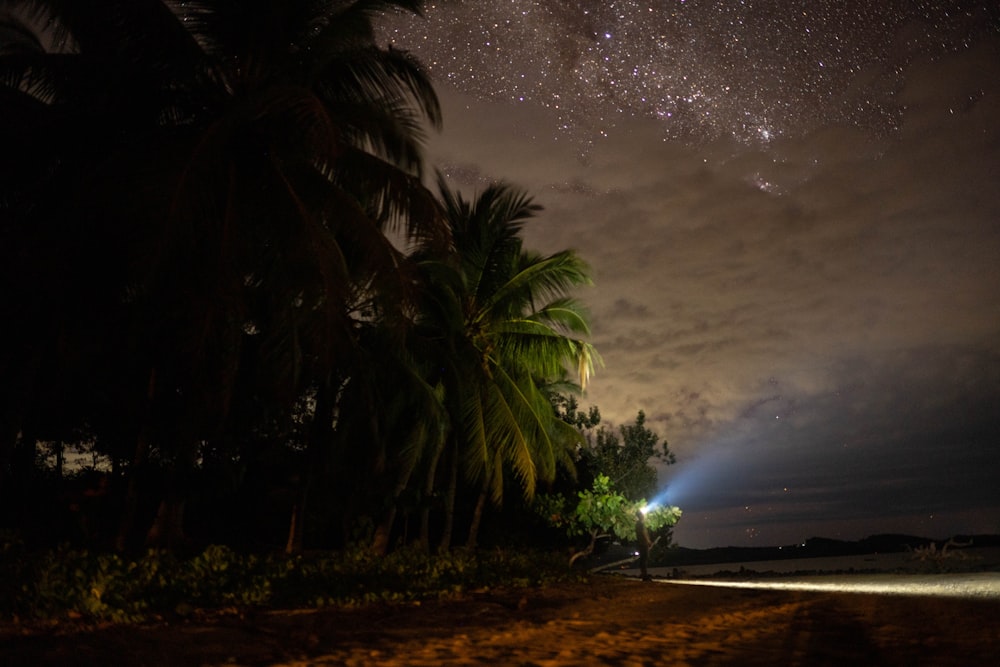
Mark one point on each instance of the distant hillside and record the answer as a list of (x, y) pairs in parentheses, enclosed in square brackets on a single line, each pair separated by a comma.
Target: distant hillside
[(814, 547)]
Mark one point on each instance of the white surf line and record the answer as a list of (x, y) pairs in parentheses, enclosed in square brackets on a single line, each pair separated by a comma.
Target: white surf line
[(980, 585)]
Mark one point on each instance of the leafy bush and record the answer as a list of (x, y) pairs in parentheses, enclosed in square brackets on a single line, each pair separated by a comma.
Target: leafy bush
[(602, 511), (68, 583)]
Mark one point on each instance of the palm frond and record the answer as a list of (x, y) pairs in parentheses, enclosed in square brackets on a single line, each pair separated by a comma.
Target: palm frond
[(474, 417), (518, 325), (17, 37), (505, 414), (538, 280), (369, 72)]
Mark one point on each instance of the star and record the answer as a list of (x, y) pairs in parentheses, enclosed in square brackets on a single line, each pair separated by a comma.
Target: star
[(746, 71)]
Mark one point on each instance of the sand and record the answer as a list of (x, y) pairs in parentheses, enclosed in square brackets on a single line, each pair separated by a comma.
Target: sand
[(613, 620)]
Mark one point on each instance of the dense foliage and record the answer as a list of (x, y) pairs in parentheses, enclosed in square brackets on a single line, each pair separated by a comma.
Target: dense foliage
[(228, 289), (626, 457), (238, 322), (91, 586), (604, 512)]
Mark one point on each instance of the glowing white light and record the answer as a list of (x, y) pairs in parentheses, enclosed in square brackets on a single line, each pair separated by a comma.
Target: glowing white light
[(974, 585)]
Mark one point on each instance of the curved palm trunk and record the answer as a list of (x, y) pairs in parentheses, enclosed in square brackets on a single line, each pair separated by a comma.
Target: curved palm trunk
[(425, 511), (293, 545), (449, 500), (477, 519), (383, 531), (477, 515)]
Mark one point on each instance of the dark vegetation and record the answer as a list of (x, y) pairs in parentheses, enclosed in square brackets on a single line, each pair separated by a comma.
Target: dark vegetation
[(236, 314), (90, 586)]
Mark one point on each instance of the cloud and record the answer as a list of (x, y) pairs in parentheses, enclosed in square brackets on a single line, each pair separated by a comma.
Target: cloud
[(897, 438), (823, 309)]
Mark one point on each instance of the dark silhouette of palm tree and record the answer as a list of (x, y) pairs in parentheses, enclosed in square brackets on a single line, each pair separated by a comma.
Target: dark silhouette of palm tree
[(219, 179)]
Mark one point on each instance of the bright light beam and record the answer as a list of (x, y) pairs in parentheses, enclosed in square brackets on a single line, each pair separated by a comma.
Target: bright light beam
[(979, 585)]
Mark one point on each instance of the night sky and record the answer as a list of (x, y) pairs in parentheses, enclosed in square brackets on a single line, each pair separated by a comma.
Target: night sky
[(792, 214)]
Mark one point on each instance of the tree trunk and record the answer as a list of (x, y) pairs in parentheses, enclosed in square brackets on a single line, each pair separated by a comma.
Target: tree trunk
[(449, 500), (167, 530), (60, 458), (136, 469), (168, 526), (477, 515), (425, 510), (132, 492), (380, 540), (320, 434), (18, 475), (383, 531), (23, 458), (19, 379), (294, 543), (577, 555), (297, 523)]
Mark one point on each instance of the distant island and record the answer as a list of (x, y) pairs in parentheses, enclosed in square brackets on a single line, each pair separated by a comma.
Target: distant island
[(820, 547)]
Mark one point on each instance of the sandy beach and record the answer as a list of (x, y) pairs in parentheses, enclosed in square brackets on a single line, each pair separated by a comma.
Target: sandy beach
[(613, 620)]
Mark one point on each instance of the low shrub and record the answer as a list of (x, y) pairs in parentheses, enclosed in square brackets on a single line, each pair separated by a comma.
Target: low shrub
[(72, 583)]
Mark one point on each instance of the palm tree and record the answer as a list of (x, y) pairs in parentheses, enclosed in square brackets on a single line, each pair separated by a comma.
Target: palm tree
[(404, 423), (250, 157), (503, 324)]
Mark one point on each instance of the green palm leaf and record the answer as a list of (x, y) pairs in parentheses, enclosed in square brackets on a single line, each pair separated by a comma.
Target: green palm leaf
[(505, 317)]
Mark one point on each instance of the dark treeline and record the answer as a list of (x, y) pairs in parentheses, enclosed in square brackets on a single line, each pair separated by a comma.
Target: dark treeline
[(202, 206)]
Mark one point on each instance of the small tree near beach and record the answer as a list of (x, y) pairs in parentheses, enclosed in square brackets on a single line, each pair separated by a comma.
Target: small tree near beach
[(599, 512)]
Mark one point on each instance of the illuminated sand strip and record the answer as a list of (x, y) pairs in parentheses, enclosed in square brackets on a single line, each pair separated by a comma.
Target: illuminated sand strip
[(982, 585)]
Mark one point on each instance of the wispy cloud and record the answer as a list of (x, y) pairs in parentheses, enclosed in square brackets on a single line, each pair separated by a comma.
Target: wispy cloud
[(823, 310)]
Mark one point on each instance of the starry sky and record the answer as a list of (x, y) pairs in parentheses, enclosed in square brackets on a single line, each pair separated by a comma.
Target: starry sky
[(792, 214)]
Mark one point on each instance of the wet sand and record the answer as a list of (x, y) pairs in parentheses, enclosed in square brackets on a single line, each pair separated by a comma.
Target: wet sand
[(612, 621)]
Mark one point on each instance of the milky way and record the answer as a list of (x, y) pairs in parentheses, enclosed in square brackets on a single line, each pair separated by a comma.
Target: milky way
[(707, 70), (790, 210)]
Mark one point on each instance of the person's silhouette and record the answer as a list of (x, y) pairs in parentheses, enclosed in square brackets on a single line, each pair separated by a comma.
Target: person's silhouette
[(642, 536)]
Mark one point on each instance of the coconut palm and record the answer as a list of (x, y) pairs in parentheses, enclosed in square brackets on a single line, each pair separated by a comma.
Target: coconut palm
[(248, 157), (503, 322)]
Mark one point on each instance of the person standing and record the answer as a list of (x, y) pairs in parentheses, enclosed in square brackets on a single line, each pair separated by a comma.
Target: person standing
[(642, 536)]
